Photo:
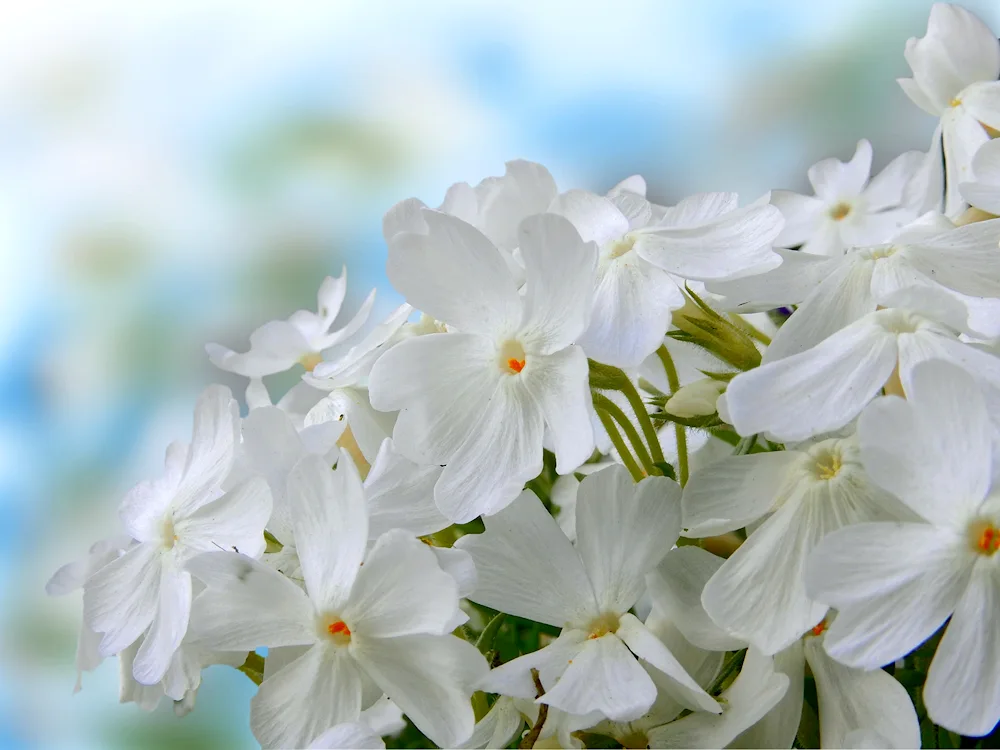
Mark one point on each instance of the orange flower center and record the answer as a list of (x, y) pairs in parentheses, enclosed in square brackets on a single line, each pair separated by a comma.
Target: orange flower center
[(515, 364), (989, 540), (339, 628)]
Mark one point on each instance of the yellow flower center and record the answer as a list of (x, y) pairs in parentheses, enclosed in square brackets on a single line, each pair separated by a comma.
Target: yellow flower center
[(603, 624), (828, 465), (618, 248), (309, 361), (840, 211)]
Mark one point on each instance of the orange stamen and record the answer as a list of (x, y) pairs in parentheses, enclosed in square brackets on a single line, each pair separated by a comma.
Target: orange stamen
[(818, 629), (339, 628), (989, 540), (515, 364)]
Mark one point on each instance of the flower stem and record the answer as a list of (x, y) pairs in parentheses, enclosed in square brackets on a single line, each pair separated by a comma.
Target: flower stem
[(648, 431), (731, 665), (603, 403), (683, 471), (616, 440)]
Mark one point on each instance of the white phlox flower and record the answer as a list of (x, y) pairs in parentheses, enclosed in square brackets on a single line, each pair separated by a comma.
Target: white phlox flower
[(587, 590), (758, 594), (930, 257), (895, 584), (479, 400), (854, 704), (643, 247), (823, 388), (301, 339), (848, 209), (370, 623), (955, 69), (183, 513)]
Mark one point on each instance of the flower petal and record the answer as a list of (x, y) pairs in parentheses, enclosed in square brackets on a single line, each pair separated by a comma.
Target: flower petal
[(400, 495), (559, 384), (675, 588), (248, 605), (331, 527), (604, 676), (735, 491), (853, 699), (401, 590), (894, 584), (455, 274), (962, 692), (843, 297), (833, 179), (119, 600), (520, 541), (167, 629), (681, 686), (348, 735), (646, 519), (430, 678), (964, 259), (595, 217), (818, 390), (935, 444), (320, 689), (234, 521), (213, 442)]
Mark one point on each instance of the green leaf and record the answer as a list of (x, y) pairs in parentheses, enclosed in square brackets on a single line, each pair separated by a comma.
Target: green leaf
[(486, 639), (667, 469)]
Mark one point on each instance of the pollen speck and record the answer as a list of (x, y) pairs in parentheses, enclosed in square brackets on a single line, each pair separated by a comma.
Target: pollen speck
[(956, 102), (339, 630), (818, 628), (828, 466), (515, 364)]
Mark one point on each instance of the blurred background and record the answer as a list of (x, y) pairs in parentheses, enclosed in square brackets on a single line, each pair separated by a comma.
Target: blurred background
[(178, 173)]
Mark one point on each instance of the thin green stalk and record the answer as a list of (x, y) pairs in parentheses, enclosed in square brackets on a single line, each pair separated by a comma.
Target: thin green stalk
[(731, 665), (616, 439), (603, 403), (635, 401), (683, 471)]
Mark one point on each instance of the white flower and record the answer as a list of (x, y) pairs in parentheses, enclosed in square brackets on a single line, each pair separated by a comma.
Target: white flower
[(696, 399), (825, 387), (71, 577), (853, 703), (758, 594), (382, 718), (184, 512), (848, 210), (479, 400), (380, 619), (895, 584), (527, 567), (496, 207), (930, 257), (955, 69), (983, 190), (301, 339), (642, 245), (498, 727)]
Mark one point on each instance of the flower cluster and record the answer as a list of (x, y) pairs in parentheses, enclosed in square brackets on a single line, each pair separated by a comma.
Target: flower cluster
[(616, 473)]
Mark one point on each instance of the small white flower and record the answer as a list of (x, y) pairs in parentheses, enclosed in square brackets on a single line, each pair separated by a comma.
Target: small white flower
[(148, 589), (823, 388), (301, 339), (377, 619), (895, 584), (479, 400), (758, 594), (848, 210), (955, 69), (527, 567)]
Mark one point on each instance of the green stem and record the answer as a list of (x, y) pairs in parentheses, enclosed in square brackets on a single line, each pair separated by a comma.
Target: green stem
[(683, 471), (616, 440), (603, 403), (648, 431)]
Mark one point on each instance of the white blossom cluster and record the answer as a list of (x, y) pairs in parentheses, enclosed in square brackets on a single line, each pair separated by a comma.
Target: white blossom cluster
[(708, 453)]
